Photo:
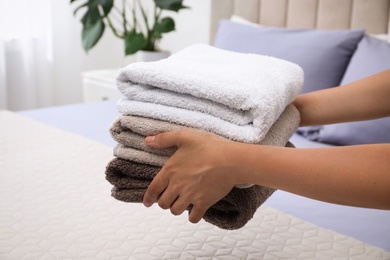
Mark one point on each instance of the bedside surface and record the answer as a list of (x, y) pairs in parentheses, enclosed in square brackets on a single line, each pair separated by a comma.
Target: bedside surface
[(100, 85), (107, 76)]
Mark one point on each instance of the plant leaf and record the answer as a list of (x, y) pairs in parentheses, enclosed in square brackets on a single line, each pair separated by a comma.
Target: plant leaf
[(78, 8), (107, 6), (92, 20), (165, 25), (93, 3), (134, 42), (172, 5), (91, 34), (91, 17)]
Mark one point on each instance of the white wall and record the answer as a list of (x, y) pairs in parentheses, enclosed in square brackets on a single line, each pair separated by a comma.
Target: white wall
[(192, 26), (70, 60)]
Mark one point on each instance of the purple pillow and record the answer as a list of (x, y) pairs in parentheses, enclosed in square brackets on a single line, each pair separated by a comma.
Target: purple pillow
[(323, 54), (363, 132), (372, 56)]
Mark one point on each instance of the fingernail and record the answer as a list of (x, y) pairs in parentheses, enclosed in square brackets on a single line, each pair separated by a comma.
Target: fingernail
[(147, 204), (150, 139)]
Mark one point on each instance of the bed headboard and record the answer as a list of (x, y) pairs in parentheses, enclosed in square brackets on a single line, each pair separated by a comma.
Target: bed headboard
[(372, 15)]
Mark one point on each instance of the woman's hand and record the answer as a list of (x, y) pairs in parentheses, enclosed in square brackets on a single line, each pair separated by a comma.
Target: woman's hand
[(197, 174)]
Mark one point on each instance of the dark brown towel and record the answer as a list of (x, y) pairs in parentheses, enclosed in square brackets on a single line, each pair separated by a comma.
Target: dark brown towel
[(125, 174), (131, 179), (130, 132)]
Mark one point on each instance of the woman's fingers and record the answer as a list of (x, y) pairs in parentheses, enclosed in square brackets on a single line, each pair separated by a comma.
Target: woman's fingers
[(167, 198), (179, 206), (163, 140), (155, 189), (192, 176), (196, 213)]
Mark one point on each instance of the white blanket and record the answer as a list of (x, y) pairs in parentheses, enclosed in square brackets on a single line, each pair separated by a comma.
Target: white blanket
[(55, 204), (238, 96)]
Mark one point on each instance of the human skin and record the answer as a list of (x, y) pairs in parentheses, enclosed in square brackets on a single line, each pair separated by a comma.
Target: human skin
[(205, 168)]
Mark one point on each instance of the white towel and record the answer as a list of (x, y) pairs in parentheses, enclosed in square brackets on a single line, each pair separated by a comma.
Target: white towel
[(130, 132), (238, 96)]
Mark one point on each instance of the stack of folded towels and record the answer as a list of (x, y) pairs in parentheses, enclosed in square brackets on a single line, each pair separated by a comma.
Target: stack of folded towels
[(239, 97)]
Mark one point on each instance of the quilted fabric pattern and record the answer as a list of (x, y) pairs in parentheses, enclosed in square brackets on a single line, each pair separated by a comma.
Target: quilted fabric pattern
[(56, 204)]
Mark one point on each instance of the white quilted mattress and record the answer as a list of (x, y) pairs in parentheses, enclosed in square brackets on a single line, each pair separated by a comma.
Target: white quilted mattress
[(55, 204)]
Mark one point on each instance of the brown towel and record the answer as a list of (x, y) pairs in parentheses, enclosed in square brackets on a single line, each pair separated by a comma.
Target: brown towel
[(137, 164), (130, 131), (131, 179)]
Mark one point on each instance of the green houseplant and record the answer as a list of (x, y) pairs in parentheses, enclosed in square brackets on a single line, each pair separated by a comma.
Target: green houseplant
[(128, 20)]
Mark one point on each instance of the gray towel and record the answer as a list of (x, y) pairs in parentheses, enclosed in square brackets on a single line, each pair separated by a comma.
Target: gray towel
[(137, 164), (130, 132), (131, 179)]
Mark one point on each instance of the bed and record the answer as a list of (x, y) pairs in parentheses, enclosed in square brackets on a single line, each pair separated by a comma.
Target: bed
[(56, 204)]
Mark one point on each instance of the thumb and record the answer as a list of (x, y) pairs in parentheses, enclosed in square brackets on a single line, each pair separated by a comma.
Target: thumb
[(163, 140)]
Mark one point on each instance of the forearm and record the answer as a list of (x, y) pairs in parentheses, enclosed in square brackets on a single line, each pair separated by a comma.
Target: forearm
[(360, 100), (355, 175)]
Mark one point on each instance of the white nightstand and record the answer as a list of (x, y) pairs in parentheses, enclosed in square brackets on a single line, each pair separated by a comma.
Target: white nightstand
[(100, 85)]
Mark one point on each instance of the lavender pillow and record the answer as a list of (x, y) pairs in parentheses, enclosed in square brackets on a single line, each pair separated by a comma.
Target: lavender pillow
[(364, 132), (323, 54), (372, 56)]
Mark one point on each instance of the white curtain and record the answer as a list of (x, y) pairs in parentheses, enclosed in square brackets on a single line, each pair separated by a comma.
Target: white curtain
[(26, 54), (41, 56)]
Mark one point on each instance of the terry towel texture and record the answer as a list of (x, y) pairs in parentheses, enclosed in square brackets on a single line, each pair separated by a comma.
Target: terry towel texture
[(137, 164), (235, 95), (130, 133), (131, 179), (239, 97)]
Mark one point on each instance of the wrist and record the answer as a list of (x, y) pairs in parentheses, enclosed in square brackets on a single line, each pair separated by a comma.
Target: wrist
[(241, 162)]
